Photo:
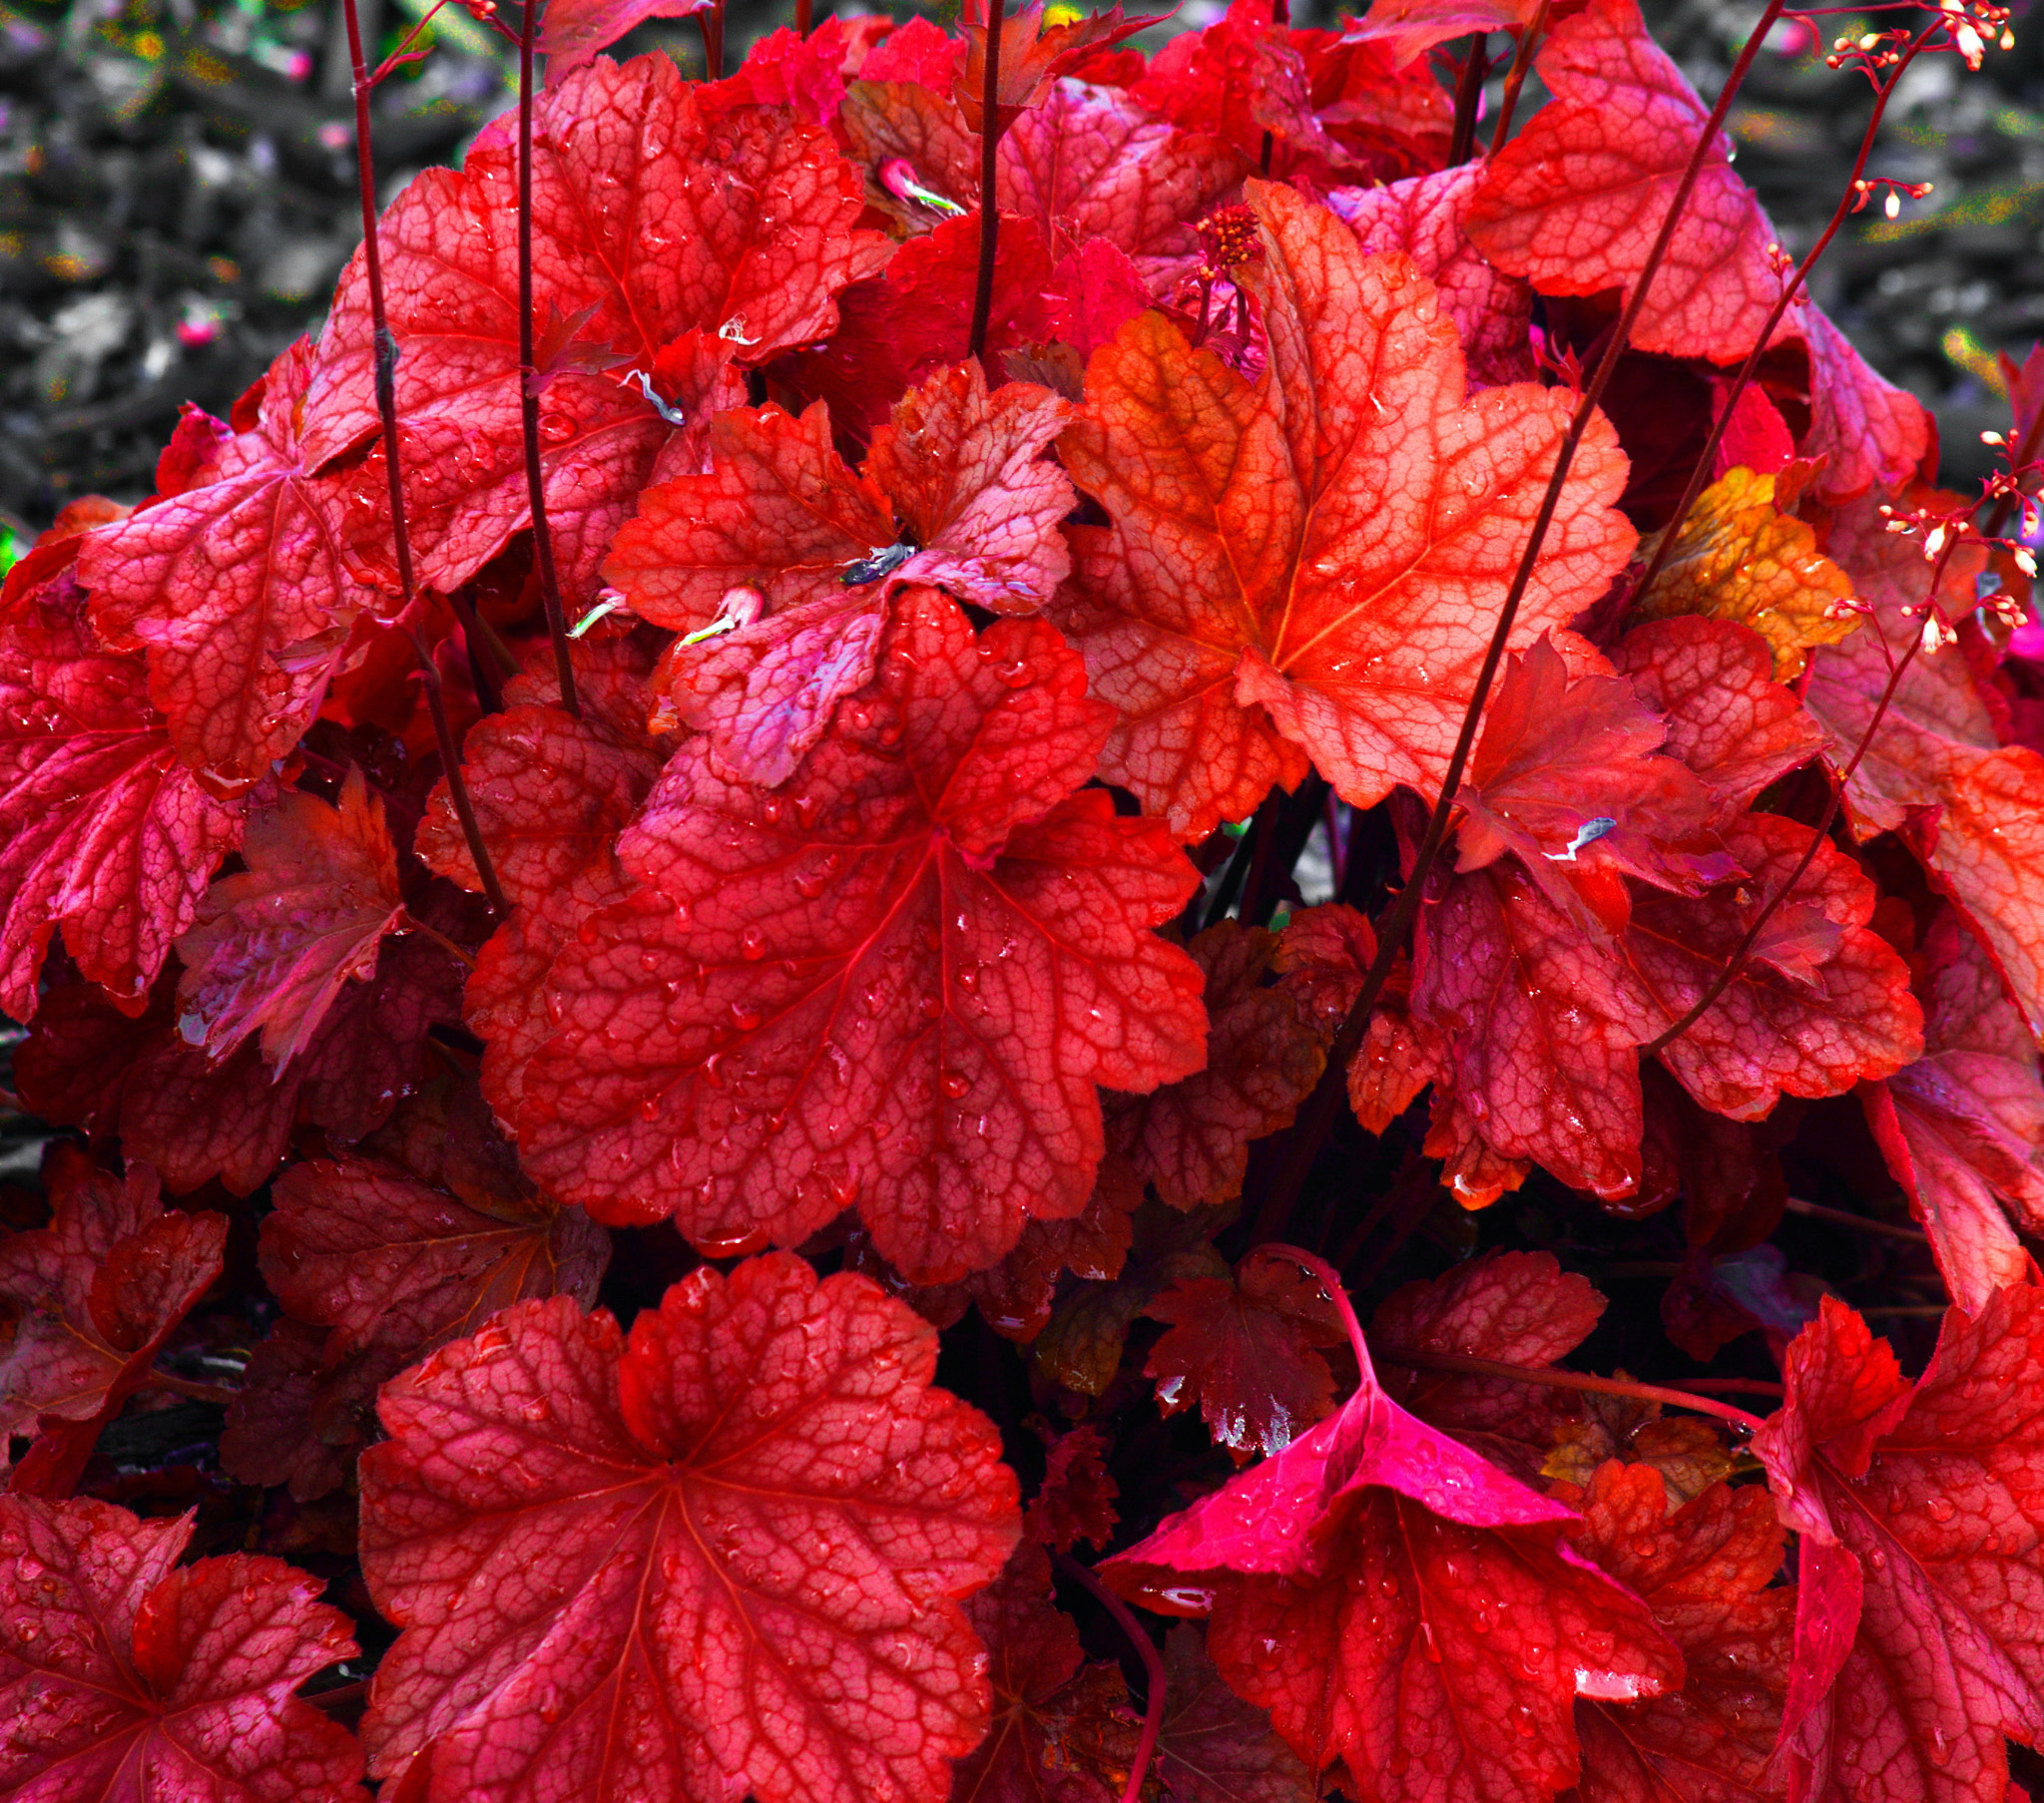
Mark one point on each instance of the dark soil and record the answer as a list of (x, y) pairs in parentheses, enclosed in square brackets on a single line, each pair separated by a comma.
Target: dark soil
[(177, 199)]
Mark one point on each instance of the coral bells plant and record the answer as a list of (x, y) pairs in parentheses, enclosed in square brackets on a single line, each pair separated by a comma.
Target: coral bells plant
[(763, 913)]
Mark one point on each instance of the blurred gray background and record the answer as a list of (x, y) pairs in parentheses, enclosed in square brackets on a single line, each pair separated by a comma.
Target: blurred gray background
[(177, 199)]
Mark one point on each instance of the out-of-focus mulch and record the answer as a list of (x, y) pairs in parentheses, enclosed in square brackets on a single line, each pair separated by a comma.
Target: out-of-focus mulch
[(176, 197)]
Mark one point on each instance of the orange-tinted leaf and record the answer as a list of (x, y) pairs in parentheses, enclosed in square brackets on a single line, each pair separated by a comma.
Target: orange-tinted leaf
[(954, 494), (124, 1675), (1962, 1126), (721, 1555), (1310, 564), (1425, 217), (1704, 1570), (237, 589), (1728, 718), (1969, 807), (98, 1292), (1517, 1308), (105, 834), (1686, 1453), (1917, 1646), (1190, 1140), (1033, 54), (273, 944), (897, 984), (1823, 1006), (1411, 28), (1243, 1347), (1735, 558)]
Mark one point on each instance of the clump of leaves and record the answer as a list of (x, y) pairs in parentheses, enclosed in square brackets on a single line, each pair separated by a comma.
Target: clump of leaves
[(757, 910)]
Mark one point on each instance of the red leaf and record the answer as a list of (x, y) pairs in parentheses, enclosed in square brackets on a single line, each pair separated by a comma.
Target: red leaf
[(1921, 1522), (1077, 1498), (1033, 55), (1411, 28), (1703, 1570), (1190, 1140), (572, 31), (1728, 718), (1322, 957), (1575, 202), (1244, 1348), (129, 1679), (1531, 1017), (1213, 1746), (1033, 1660), (954, 494), (747, 249), (294, 1423), (1825, 1006), (1425, 216), (1263, 594), (897, 984), (1971, 809), (721, 1555), (551, 794), (272, 946), (1961, 1127), (98, 1292), (105, 834), (237, 591), (1515, 1308), (1400, 1605)]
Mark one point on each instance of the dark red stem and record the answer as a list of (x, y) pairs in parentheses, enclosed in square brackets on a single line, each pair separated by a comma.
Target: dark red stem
[(1573, 1380), (989, 181), (1318, 1117), (1699, 475), (1153, 1666), (803, 16), (1468, 96), (1508, 103), (386, 408), (528, 378), (711, 23)]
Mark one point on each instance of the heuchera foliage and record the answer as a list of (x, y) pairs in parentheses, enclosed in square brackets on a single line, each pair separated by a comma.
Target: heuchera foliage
[(1141, 773)]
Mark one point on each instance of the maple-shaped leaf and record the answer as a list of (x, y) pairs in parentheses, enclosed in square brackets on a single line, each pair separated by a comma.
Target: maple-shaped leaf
[(1935, 772), (1568, 773), (724, 228), (127, 1677), (237, 589), (1962, 1126), (56, 550), (1034, 52), (1916, 1649), (273, 944), (1076, 1499), (804, 73), (1574, 204), (1530, 1019), (1423, 215), (105, 834), (1735, 558), (365, 1247), (1686, 1453), (95, 1293), (1713, 683), (1039, 1696), (1309, 564), (1704, 1570), (894, 985), (902, 327), (1516, 1308), (551, 793), (571, 32), (1190, 1140), (295, 1422), (1821, 1005), (954, 494), (88, 1064), (1322, 957), (1245, 1349), (1427, 1608), (720, 1554)]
